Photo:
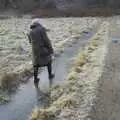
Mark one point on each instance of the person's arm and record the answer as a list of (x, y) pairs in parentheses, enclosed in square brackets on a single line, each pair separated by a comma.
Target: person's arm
[(29, 38), (46, 41)]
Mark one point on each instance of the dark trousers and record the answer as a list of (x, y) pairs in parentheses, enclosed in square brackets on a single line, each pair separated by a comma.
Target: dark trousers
[(49, 67)]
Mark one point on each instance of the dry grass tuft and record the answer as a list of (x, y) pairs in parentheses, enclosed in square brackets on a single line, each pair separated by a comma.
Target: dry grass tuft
[(55, 87), (57, 91), (81, 59), (72, 82), (42, 114), (91, 49), (72, 75), (4, 98), (94, 42), (9, 80), (55, 94), (64, 102), (78, 69)]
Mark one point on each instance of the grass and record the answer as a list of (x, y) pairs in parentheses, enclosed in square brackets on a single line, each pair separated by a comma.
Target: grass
[(65, 96), (42, 114), (55, 87), (4, 98), (91, 49), (81, 59), (50, 113), (57, 93), (78, 69), (79, 62), (94, 42), (64, 102), (8, 81), (15, 48), (72, 75)]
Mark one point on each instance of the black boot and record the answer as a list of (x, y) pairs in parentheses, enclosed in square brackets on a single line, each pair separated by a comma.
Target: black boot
[(51, 76), (36, 82), (36, 79)]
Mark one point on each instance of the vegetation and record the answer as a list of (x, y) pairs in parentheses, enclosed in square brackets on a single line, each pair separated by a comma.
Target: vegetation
[(45, 114), (9, 81), (72, 75), (16, 51), (64, 96), (4, 97), (64, 102)]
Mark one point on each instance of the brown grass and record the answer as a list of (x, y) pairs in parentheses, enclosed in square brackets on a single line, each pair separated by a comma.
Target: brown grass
[(57, 93), (9, 80), (55, 87), (42, 114), (94, 42), (78, 69), (81, 59), (72, 75), (64, 102), (4, 98)]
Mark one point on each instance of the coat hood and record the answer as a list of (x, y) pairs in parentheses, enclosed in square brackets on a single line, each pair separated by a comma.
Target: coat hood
[(34, 25), (35, 22)]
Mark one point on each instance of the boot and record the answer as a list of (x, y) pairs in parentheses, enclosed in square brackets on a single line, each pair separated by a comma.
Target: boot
[(36, 82), (51, 76)]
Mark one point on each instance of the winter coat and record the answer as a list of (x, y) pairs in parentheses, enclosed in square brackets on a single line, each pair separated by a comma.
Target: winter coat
[(41, 45)]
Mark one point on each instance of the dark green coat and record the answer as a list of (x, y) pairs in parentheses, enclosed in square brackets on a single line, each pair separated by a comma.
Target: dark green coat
[(41, 45)]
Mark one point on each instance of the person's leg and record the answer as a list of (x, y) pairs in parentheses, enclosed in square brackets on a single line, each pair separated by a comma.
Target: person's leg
[(49, 66), (36, 80)]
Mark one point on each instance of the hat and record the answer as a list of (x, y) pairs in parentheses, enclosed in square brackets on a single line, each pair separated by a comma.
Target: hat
[(36, 21)]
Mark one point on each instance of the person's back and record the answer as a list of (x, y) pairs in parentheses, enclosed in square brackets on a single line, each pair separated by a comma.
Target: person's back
[(36, 40)]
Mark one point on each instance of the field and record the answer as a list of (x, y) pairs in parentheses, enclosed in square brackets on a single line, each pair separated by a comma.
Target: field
[(15, 50), (80, 93)]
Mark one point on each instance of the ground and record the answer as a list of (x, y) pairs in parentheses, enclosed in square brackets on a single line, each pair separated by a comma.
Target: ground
[(74, 99), (16, 54), (107, 104), (15, 50), (90, 90)]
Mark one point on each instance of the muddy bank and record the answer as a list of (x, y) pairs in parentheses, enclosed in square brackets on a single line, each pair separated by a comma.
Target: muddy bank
[(74, 99)]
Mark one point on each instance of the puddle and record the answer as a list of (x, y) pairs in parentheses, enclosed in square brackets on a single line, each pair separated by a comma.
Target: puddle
[(116, 40), (27, 97)]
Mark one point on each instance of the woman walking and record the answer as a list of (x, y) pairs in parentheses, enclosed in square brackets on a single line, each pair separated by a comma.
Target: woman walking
[(42, 50)]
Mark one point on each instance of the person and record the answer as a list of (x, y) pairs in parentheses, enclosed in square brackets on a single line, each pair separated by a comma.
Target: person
[(42, 50)]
